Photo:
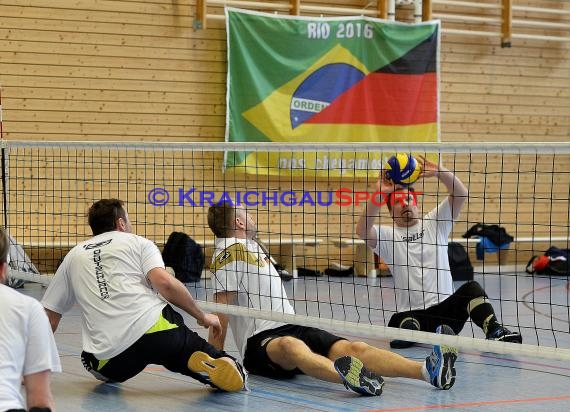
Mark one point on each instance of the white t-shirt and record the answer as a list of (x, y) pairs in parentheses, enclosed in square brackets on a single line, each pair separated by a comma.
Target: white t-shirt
[(240, 265), (417, 257), (106, 276), (27, 345)]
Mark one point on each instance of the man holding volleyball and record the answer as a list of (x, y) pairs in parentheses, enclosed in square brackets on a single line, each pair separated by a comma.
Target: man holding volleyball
[(123, 291), (415, 250)]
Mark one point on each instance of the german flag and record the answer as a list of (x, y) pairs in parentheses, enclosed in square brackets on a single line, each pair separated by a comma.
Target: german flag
[(401, 93)]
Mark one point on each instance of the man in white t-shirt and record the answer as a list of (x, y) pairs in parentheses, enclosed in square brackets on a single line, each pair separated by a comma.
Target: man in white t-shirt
[(116, 278), (27, 347), (244, 276), (415, 250)]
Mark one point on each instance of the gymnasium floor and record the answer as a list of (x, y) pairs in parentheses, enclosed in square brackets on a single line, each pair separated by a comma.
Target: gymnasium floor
[(485, 381)]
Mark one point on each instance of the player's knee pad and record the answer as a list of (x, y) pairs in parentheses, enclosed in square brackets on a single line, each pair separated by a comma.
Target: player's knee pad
[(410, 323)]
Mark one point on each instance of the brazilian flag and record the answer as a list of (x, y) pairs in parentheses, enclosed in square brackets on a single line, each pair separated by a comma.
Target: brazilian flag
[(338, 79)]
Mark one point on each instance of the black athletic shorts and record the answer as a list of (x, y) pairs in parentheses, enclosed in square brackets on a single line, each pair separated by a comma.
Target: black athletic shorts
[(170, 346), (257, 362)]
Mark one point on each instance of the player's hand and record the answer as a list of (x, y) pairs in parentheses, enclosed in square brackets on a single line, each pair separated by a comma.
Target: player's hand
[(211, 321), (384, 184), (429, 168)]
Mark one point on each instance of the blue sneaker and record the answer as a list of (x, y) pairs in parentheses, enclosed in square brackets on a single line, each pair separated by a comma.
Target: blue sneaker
[(440, 364), (357, 378)]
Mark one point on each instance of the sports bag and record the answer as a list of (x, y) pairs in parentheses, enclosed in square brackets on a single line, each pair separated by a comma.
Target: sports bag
[(554, 262), (185, 256)]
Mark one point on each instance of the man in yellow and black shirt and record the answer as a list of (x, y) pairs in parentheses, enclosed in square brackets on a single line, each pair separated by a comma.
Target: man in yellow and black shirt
[(244, 275)]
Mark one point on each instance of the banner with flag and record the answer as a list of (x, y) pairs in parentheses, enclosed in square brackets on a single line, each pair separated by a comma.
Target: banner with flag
[(338, 79)]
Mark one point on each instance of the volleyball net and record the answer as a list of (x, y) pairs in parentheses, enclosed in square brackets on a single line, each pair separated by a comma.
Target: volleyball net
[(306, 199)]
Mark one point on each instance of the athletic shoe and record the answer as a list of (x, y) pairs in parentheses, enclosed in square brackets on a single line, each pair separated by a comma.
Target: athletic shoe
[(410, 324), (224, 373), (357, 378), (502, 334), (440, 364)]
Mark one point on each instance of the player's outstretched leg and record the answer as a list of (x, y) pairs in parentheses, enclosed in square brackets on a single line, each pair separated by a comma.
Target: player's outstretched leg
[(357, 378), (224, 373), (441, 363)]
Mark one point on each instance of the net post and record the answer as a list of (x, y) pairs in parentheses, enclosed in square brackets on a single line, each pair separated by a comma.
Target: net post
[(4, 171)]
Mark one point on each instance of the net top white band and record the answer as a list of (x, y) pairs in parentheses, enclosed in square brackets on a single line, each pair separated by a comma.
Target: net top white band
[(559, 148)]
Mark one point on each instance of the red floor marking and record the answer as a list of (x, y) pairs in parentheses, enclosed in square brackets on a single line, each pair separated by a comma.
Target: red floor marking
[(464, 405)]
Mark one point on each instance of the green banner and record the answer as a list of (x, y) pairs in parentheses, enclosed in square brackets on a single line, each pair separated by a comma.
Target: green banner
[(337, 79)]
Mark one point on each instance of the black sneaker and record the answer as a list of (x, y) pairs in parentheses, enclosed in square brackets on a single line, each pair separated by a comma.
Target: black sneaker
[(441, 363), (357, 378), (410, 324), (502, 334)]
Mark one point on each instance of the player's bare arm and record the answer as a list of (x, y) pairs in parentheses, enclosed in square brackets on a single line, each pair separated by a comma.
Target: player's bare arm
[(457, 191), (364, 227)]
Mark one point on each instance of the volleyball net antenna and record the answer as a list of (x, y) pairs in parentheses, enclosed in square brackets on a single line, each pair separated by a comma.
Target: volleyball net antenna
[(306, 199)]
